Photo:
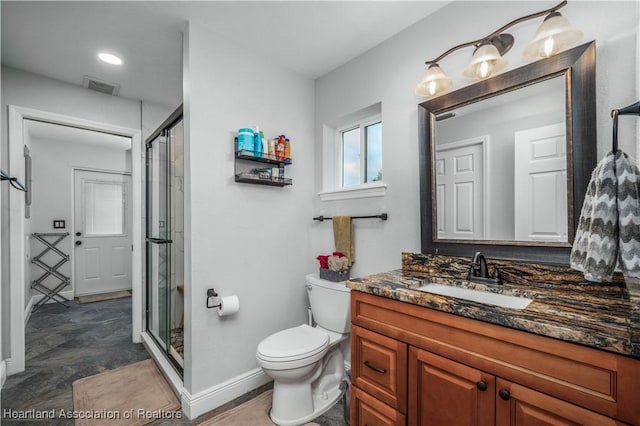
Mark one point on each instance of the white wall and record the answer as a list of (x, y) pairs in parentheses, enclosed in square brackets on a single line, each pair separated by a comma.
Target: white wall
[(242, 239), (389, 73), (28, 90), (52, 185)]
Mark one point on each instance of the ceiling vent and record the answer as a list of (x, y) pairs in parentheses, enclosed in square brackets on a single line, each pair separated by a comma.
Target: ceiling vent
[(101, 86)]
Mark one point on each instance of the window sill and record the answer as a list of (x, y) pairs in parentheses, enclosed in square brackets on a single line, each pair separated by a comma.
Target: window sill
[(367, 190)]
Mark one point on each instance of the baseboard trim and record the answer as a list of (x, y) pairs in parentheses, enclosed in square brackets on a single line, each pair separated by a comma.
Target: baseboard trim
[(3, 373), (209, 399), (29, 309), (11, 366), (38, 297)]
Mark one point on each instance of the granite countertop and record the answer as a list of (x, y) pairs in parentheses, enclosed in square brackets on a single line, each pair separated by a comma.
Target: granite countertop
[(565, 306)]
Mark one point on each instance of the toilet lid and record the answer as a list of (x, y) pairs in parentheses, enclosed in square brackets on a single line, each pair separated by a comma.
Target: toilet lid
[(293, 343)]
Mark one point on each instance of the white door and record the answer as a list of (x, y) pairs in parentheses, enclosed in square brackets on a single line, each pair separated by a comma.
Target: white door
[(459, 190), (541, 184), (102, 232)]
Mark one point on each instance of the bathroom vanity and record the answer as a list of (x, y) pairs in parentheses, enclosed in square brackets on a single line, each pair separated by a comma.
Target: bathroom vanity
[(569, 357)]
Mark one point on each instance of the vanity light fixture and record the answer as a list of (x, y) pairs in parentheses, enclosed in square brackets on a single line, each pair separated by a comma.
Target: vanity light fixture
[(109, 58), (554, 35)]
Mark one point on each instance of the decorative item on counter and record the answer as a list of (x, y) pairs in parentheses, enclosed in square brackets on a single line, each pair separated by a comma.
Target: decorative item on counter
[(257, 142), (334, 267), (246, 138)]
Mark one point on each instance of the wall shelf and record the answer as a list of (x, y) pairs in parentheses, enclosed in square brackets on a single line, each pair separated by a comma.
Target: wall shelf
[(260, 176), (247, 178), (264, 158)]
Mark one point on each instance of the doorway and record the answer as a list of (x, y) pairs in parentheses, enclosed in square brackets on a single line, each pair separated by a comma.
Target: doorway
[(18, 229), (540, 181), (102, 232), (460, 189)]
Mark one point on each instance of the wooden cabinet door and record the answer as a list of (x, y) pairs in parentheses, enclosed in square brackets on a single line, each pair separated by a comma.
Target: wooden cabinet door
[(368, 411), (443, 392), (520, 406)]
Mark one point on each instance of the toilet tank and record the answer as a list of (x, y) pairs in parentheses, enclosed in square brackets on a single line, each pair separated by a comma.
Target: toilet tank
[(330, 303)]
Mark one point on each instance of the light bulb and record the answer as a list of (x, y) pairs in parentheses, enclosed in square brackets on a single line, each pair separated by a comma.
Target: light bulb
[(548, 47), (484, 69), (432, 88)]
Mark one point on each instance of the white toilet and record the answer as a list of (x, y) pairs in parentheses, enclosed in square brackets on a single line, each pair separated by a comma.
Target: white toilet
[(305, 363)]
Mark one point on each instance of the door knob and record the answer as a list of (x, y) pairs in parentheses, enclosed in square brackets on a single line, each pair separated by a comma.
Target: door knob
[(78, 243), (504, 394)]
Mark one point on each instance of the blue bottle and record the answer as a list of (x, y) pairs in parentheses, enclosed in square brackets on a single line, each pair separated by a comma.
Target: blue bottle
[(257, 143), (245, 139)]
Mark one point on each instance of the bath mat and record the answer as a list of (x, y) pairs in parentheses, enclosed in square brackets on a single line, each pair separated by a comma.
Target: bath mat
[(132, 395), (103, 296), (254, 412)]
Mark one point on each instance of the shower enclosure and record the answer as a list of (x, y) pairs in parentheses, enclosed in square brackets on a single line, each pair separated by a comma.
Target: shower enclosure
[(165, 237)]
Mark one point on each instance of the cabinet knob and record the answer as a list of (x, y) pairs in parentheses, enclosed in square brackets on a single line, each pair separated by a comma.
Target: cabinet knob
[(481, 385), (504, 394), (374, 368), (78, 243)]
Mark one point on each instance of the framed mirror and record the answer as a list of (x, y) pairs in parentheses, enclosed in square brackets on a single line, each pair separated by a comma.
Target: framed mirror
[(505, 162)]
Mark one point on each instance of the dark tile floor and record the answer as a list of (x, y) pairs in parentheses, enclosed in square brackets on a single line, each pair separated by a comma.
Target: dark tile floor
[(66, 344)]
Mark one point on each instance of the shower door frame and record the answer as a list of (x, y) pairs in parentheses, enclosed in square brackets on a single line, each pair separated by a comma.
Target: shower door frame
[(162, 131)]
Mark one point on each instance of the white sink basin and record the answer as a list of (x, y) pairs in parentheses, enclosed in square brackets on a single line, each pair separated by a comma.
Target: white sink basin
[(512, 302)]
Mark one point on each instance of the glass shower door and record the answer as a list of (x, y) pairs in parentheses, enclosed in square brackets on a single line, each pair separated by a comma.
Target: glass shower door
[(165, 238), (158, 242)]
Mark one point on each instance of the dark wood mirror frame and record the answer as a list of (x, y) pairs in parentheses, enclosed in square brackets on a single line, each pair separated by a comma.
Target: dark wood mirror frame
[(577, 65)]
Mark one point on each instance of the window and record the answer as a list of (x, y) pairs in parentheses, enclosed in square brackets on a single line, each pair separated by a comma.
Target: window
[(104, 208), (352, 155), (361, 152)]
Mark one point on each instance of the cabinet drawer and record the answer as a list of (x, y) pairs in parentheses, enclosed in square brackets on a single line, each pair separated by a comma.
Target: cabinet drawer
[(379, 367), (368, 411)]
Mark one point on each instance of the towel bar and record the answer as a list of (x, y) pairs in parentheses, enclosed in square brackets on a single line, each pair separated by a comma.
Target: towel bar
[(633, 109), (382, 216)]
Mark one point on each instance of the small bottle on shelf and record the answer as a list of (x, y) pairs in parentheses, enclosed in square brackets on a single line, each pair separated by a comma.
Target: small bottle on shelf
[(280, 148), (287, 151), (272, 148), (257, 143)]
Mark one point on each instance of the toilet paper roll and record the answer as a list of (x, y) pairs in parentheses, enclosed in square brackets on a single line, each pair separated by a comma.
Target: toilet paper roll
[(228, 306)]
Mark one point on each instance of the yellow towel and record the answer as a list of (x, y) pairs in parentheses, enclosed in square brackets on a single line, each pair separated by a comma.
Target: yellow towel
[(344, 237)]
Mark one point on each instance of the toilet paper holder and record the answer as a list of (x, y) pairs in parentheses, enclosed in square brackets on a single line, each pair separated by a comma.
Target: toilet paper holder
[(211, 294)]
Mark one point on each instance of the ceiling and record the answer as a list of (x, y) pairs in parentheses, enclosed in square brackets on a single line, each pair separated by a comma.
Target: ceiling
[(61, 39)]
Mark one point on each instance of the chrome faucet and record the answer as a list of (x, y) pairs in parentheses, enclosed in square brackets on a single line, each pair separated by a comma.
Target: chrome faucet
[(479, 271)]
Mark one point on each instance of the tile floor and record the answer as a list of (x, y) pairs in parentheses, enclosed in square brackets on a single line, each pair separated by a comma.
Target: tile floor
[(66, 344)]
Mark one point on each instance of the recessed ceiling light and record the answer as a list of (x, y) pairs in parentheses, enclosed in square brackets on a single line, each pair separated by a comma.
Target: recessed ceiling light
[(109, 58)]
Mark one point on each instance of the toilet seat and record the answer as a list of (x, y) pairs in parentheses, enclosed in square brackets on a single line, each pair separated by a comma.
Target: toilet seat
[(293, 347)]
